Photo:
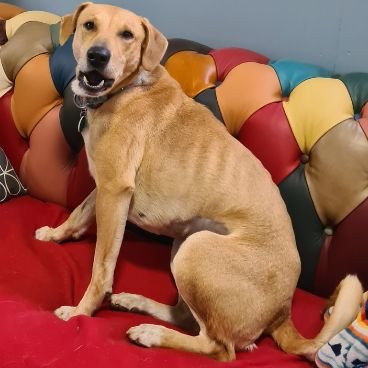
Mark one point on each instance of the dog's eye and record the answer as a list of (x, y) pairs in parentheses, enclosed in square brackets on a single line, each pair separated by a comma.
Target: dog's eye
[(89, 26), (127, 35)]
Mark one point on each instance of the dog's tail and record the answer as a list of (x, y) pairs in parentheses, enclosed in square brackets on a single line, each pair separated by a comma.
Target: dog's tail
[(346, 300)]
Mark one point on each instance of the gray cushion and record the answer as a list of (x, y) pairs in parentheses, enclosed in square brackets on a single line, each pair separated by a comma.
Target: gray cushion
[(10, 185)]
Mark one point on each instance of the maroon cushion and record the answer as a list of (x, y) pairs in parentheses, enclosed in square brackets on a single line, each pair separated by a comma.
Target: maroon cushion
[(10, 140)]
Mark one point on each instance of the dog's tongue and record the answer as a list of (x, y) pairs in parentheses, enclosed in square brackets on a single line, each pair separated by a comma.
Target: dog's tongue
[(94, 78)]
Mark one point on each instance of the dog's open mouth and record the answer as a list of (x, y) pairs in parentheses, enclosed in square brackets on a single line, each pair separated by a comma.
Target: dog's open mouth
[(94, 82)]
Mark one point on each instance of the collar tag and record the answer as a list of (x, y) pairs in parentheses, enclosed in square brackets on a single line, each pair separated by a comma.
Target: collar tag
[(82, 124)]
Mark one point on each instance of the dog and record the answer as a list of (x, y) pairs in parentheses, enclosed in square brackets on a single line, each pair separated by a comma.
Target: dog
[(163, 162)]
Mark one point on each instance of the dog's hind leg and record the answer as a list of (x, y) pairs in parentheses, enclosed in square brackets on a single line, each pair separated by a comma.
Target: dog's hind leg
[(179, 314), (207, 290), (75, 226), (159, 336)]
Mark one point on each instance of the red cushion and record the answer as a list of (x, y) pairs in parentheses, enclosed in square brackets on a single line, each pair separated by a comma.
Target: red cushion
[(37, 277), (228, 58), (267, 135)]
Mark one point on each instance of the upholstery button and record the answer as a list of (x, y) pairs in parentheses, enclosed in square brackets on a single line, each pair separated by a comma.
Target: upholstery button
[(328, 231), (304, 158)]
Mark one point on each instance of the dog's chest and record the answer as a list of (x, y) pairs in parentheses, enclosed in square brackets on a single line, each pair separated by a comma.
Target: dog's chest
[(92, 133), (87, 144)]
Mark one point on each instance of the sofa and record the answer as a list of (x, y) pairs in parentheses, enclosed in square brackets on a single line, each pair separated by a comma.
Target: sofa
[(306, 125)]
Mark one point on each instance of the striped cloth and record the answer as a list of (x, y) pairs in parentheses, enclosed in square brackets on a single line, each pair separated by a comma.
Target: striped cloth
[(349, 348)]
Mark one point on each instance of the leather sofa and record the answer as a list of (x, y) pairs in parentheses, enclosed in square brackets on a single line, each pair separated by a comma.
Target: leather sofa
[(307, 126)]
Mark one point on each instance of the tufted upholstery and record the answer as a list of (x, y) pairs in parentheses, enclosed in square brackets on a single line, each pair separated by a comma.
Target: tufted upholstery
[(308, 127)]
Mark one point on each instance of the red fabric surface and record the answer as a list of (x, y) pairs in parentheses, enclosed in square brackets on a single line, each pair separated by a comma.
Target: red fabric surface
[(37, 277), (268, 135), (228, 58)]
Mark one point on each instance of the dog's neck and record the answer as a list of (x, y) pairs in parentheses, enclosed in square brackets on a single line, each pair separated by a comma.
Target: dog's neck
[(138, 79)]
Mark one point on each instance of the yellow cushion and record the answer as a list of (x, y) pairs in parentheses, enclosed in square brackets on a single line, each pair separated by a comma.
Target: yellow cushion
[(314, 107)]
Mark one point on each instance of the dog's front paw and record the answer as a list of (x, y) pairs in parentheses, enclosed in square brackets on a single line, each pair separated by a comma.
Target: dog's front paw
[(128, 302), (65, 312), (45, 233), (146, 335)]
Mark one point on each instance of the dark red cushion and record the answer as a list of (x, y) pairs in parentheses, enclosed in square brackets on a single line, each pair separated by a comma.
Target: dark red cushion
[(10, 140), (37, 277)]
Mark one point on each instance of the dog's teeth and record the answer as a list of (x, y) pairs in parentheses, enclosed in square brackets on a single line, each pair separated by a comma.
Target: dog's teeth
[(85, 80), (98, 86), (101, 84)]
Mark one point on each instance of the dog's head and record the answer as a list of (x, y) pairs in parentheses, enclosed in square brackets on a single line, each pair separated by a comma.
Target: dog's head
[(112, 46)]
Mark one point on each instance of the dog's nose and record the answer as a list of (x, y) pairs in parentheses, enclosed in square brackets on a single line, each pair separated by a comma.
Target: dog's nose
[(98, 56)]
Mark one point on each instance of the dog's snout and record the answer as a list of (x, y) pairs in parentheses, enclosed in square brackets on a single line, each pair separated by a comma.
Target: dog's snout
[(98, 56)]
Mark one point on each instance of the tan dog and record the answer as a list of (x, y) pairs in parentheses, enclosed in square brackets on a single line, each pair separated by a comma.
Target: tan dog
[(162, 161)]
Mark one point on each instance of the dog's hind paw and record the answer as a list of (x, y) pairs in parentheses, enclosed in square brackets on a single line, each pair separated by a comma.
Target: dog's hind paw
[(146, 335), (128, 302)]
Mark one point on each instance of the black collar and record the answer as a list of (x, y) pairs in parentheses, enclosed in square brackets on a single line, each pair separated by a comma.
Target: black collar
[(90, 102), (84, 103), (95, 102)]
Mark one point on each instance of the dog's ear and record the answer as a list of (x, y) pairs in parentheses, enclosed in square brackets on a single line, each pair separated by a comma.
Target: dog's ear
[(77, 13), (154, 46), (66, 28)]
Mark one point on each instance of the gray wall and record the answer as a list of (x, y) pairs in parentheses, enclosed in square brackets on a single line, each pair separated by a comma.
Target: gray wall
[(329, 33)]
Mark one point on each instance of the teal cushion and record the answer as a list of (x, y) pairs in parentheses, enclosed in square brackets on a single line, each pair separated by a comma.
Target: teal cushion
[(292, 73)]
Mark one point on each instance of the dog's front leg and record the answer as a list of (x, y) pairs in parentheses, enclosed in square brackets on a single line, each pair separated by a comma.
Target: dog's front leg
[(112, 208)]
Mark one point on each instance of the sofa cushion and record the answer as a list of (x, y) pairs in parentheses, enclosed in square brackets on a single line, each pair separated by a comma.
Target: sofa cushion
[(37, 277), (10, 184)]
